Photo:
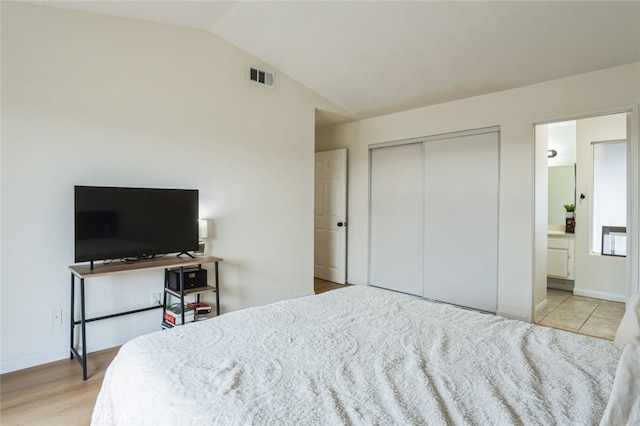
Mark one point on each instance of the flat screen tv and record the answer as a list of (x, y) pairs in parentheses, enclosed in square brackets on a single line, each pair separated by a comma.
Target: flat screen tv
[(133, 223)]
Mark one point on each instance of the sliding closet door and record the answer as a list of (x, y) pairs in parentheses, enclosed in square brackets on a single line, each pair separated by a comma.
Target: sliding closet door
[(461, 220), (397, 217)]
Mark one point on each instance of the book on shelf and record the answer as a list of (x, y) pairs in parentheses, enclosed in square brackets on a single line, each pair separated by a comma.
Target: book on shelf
[(200, 308), (173, 314), (177, 320)]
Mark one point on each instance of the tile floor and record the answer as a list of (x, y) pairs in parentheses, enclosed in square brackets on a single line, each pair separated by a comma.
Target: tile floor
[(583, 315)]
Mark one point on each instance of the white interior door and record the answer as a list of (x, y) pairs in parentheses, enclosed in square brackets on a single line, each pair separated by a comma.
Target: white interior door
[(600, 145), (397, 194), (461, 220), (330, 243)]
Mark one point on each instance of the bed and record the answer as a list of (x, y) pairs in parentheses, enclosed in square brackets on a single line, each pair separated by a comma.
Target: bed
[(366, 356)]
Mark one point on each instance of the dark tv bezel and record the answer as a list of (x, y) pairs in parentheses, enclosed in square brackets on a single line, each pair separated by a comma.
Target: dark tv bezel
[(131, 255)]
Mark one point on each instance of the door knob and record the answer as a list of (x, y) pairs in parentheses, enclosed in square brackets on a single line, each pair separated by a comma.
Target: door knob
[(582, 196), (342, 223)]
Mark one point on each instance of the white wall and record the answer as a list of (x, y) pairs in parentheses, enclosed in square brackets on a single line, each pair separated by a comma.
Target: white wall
[(97, 100), (515, 111), (597, 276)]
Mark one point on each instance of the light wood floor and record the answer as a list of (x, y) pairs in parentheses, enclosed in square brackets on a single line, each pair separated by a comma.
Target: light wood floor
[(55, 394), (320, 286)]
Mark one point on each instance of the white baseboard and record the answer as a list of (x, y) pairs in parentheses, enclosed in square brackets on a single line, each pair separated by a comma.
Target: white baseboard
[(60, 353), (541, 306), (614, 297), (564, 285), (513, 315), (356, 281), (20, 363)]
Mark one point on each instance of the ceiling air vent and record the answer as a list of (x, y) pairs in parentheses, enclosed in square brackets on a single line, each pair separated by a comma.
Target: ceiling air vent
[(265, 78)]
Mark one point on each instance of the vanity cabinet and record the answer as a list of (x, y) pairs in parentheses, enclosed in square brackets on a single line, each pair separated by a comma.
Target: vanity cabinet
[(560, 249)]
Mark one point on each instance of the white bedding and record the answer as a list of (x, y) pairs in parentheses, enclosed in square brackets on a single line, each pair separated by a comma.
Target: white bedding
[(359, 356), (624, 403)]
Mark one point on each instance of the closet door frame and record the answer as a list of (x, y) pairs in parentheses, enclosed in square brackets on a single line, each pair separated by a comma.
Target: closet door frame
[(425, 140)]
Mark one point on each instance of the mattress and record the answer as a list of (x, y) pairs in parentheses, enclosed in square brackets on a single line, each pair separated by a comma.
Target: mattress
[(359, 356)]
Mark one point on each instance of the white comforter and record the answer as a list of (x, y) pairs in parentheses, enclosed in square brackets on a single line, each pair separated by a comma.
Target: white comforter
[(359, 356)]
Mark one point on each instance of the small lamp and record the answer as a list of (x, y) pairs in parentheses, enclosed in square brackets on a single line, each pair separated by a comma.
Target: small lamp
[(203, 228)]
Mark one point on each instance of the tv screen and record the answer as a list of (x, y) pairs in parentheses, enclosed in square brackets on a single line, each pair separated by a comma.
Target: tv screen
[(134, 223)]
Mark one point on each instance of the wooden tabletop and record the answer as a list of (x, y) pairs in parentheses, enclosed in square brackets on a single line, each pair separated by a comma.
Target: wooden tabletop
[(116, 267)]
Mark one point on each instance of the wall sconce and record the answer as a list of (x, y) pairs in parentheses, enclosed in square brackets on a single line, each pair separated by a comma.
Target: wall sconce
[(203, 232), (552, 153)]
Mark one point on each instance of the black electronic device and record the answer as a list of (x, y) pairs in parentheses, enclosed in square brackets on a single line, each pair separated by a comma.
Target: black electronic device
[(193, 278), (134, 223)]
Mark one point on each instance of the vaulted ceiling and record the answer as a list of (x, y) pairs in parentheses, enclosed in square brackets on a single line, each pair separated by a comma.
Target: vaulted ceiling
[(375, 58)]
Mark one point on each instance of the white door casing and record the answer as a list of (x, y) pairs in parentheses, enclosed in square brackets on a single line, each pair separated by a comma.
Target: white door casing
[(330, 237), (603, 277)]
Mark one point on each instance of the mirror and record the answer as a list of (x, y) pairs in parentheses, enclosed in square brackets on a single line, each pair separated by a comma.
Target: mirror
[(562, 190), (562, 171)]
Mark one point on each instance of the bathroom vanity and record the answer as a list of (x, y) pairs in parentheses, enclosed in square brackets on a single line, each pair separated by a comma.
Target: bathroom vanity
[(560, 249)]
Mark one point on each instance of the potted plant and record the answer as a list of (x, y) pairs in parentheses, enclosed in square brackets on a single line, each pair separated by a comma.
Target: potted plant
[(570, 210), (570, 222)]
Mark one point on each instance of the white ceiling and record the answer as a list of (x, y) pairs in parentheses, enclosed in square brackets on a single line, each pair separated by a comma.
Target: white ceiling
[(374, 58)]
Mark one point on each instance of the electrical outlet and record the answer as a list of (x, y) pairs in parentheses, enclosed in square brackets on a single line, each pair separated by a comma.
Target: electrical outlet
[(55, 316), (155, 299)]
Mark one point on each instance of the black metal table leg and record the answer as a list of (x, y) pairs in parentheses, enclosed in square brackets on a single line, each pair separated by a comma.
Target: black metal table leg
[(73, 319), (83, 325), (182, 294), (217, 291), (82, 359)]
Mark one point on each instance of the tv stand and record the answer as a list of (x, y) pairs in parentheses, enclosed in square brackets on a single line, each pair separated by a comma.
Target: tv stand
[(86, 271), (187, 253)]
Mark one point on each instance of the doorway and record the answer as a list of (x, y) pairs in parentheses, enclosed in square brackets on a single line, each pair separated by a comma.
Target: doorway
[(598, 192), (330, 217)]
